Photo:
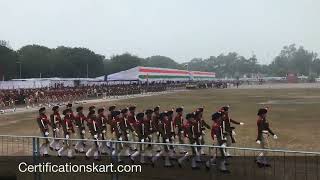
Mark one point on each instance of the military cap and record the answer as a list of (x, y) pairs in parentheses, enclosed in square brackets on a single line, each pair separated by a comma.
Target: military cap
[(100, 110), (163, 114), (54, 108), (149, 111), (66, 111), (41, 110), (225, 108), (170, 112), (125, 110), (216, 116), (197, 113), (115, 113), (189, 116), (179, 109), (157, 108), (140, 116), (91, 108), (91, 112), (79, 108), (132, 108), (262, 111), (200, 109), (112, 108)]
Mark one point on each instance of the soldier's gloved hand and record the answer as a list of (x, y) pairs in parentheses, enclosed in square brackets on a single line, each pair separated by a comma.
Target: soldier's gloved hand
[(120, 138), (83, 131), (167, 141), (241, 123), (136, 134), (181, 132), (150, 129), (158, 133), (103, 131), (215, 136), (200, 138), (57, 129), (258, 142), (46, 133), (234, 133), (67, 136), (275, 137), (95, 136), (142, 140)]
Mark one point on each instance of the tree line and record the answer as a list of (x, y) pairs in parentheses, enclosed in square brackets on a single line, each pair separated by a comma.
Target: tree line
[(32, 61)]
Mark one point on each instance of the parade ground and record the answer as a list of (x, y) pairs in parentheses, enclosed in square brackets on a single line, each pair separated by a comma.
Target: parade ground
[(293, 115)]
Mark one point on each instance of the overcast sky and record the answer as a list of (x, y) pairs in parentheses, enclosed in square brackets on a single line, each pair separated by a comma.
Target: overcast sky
[(180, 29)]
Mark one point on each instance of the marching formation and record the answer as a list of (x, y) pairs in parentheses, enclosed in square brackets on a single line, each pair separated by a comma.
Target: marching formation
[(145, 137)]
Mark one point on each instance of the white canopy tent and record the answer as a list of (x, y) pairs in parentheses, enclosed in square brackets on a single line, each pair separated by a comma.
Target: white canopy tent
[(159, 74)]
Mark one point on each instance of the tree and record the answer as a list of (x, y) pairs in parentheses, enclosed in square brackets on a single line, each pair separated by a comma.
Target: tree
[(78, 62), (122, 62), (293, 60), (162, 62), (34, 61), (316, 66), (8, 62), (75, 62)]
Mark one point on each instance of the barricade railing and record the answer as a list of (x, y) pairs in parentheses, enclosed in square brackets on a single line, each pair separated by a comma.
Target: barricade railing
[(283, 164)]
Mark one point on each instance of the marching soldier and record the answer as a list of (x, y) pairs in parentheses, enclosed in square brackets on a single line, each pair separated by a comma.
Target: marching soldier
[(116, 131), (228, 129), (156, 136), (164, 130), (125, 126), (171, 133), (102, 121), (55, 119), (201, 125), (190, 137), (217, 133), (80, 128), (264, 132), (179, 123), (132, 121), (125, 133), (148, 131), (69, 107), (111, 109), (43, 124), (140, 130), (91, 109), (109, 120), (93, 126), (68, 131), (148, 125)]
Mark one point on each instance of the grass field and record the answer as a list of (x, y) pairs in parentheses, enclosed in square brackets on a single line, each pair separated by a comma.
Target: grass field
[(294, 114)]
